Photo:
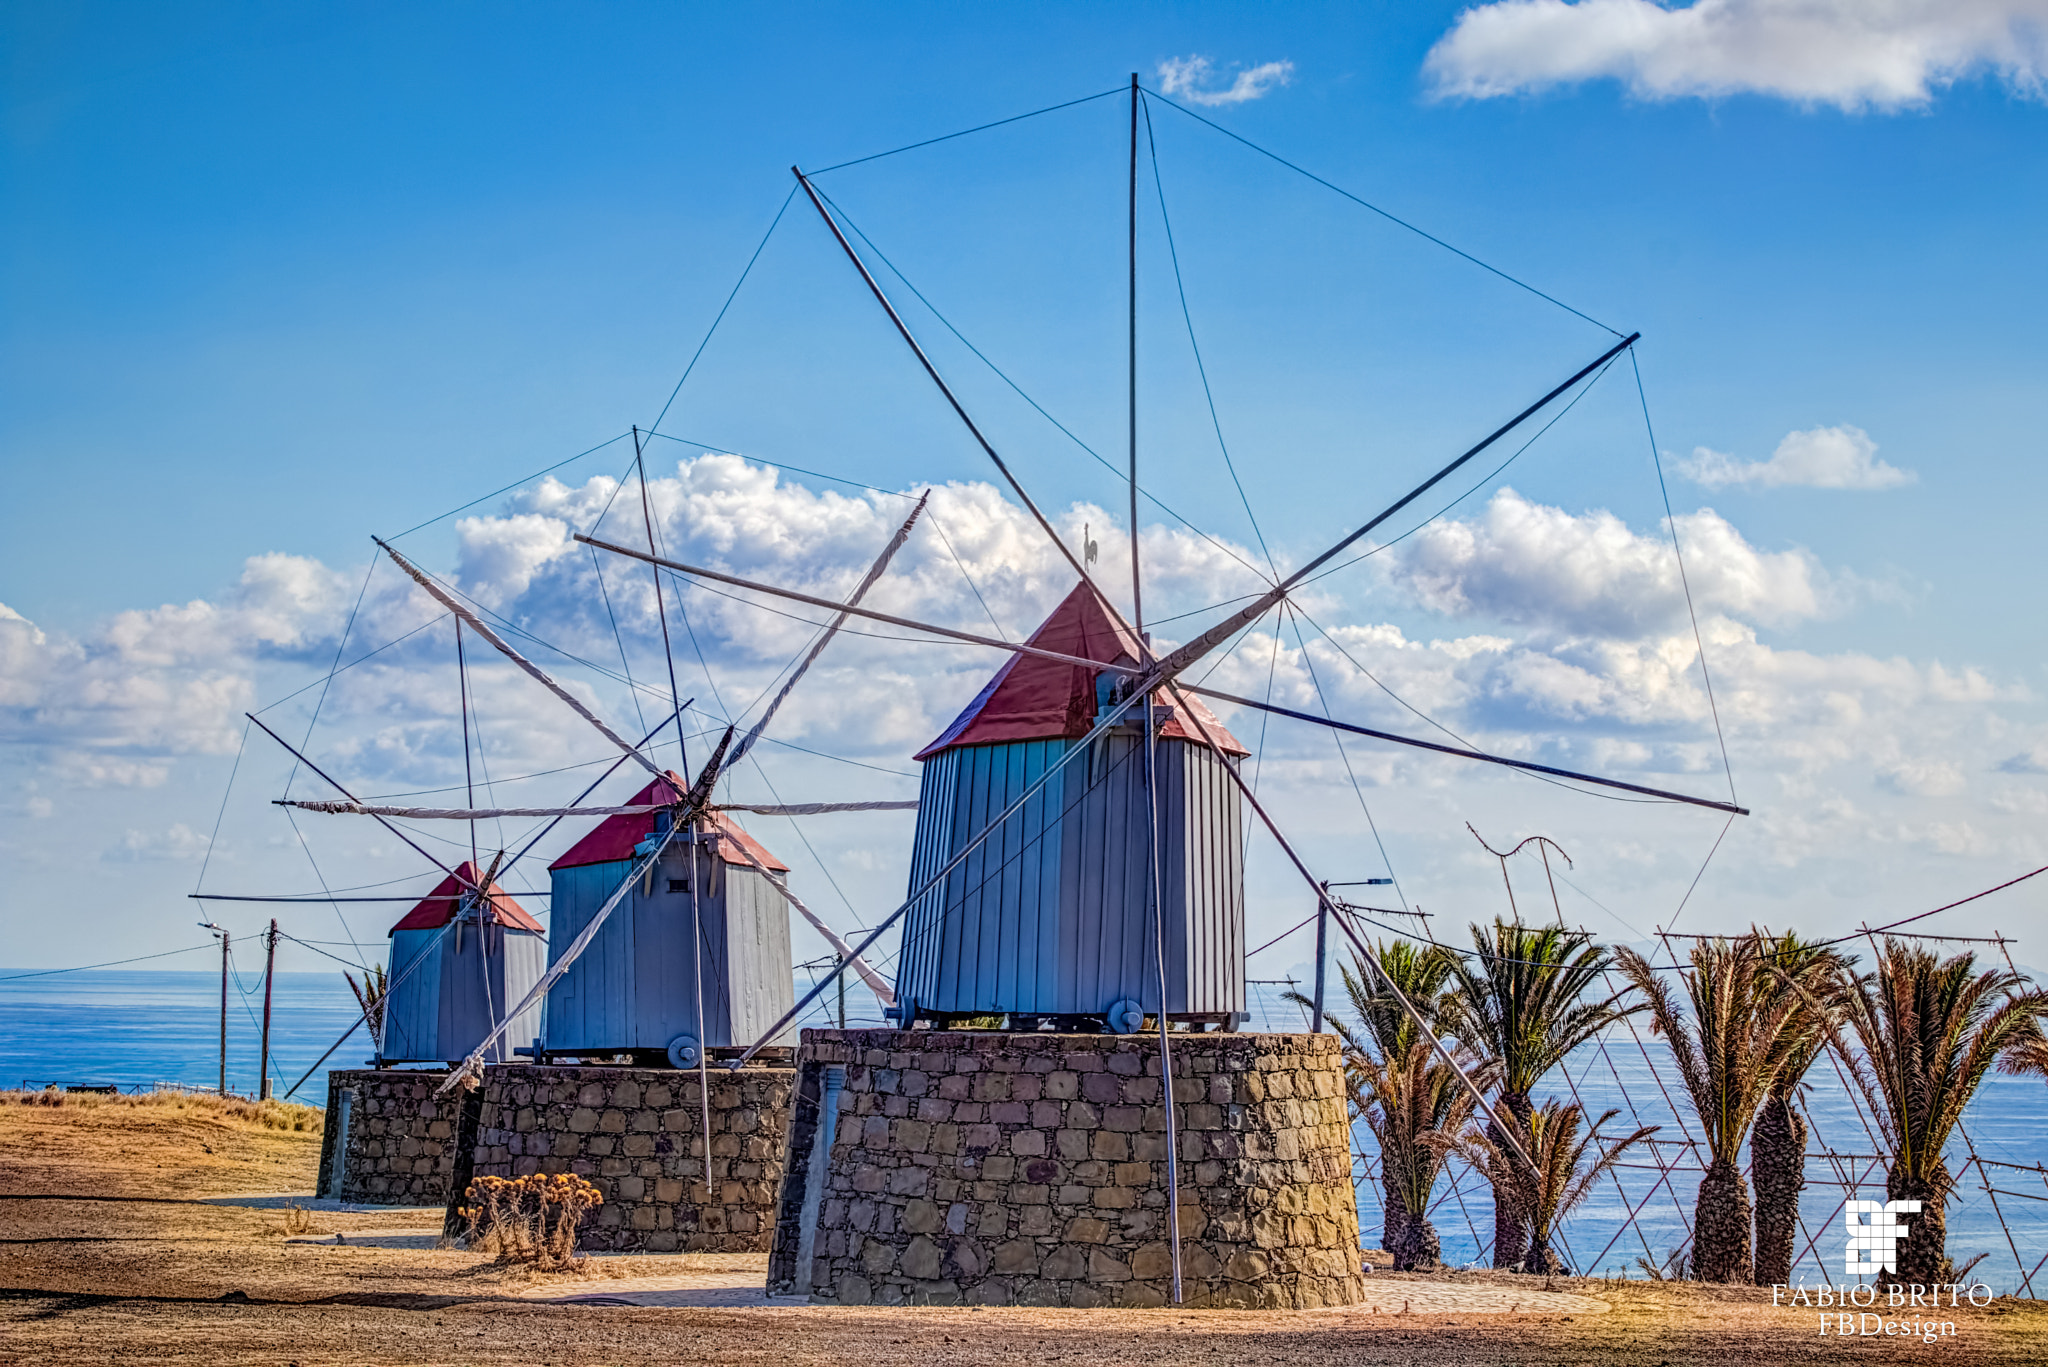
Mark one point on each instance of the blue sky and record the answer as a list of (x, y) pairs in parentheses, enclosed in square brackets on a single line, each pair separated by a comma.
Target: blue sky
[(281, 277)]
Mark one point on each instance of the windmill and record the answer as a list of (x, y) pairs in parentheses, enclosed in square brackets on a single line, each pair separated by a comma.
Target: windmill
[(699, 959), (1127, 690)]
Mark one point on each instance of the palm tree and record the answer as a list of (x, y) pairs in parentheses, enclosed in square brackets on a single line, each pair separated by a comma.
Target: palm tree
[(1562, 1176), (370, 994), (1928, 1030), (1403, 1088), (1777, 1142), (1729, 1049), (1521, 1004)]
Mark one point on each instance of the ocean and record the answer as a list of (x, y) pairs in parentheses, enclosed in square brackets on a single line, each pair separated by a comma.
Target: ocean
[(139, 1029)]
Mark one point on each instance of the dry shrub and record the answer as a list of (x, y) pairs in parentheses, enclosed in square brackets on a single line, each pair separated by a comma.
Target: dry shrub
[(530, 1220), (270, 1115)]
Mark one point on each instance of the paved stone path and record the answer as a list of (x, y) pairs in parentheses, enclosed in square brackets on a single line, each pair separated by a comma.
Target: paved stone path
[(737, 1290)]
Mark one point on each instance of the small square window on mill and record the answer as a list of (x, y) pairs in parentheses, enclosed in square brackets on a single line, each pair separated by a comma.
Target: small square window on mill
[(678, 885)]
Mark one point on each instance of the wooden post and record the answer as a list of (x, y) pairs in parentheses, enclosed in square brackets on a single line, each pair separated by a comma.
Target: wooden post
[(1322, 940), (269, 975), (842, 992), (223, 1013)]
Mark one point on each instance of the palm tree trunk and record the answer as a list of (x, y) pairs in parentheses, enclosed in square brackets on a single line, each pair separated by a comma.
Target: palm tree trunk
[(1543, 1259), (1510, 1214), (1923, 1253), (1720, 1241), (1394, 1228), (1777, 1154)]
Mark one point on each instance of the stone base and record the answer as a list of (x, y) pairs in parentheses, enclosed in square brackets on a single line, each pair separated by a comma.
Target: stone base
[(637, 1134), (398, 1145), (991, 1168)]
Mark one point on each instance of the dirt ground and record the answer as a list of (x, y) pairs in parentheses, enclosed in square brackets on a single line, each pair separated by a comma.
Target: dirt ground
[(110, 1251)]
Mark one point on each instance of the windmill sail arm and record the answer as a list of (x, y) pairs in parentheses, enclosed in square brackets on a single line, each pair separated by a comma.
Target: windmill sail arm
[(538, 674), (792, 595), (818, 648), (876, 983), (468, 813), (630, 809), (1358, 942), (1194, 650), (472, 1067), (1462, 753), (812, 808)]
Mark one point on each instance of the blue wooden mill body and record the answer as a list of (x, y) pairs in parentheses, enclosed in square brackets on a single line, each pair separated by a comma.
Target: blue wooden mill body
[(1052, 915), (458, 964), (634, 990)]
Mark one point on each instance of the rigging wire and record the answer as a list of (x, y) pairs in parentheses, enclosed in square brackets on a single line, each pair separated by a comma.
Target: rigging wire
[(1672, 522), (1692, 886), (1476, 486), (713, 329), (947, 542), (397, 640), (1343, 754), (1367, 204), (978, 128), (618, 638), (1173, 253), (997, 371), (526, 479), (207, 859)]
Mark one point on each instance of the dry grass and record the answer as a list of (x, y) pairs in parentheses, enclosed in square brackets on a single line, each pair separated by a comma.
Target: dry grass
[(169, 1280), (270, 1115)]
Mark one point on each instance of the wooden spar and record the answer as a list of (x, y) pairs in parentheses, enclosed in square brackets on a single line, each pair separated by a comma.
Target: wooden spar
[(1365, 951), (352, 798), (668, 654), (818, 648), (473, 1065), (610, 769), (533, 670), (969, 637), (973, 430), (1194, 650), (629, 809), (1138, 682), (323, 901), (876, 984), (1151, 745), (468, 779), (1461, 753)]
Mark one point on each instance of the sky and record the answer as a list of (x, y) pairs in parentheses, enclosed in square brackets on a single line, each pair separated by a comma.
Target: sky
[(281, 278)]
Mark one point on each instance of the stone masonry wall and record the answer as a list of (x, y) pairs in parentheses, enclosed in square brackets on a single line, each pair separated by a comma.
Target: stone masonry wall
[(401, 1140), (1029, 1169), (637, 1134)]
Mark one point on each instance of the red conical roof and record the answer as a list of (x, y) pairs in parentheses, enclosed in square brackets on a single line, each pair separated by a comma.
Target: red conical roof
[(615, 836), (438, 908), (1037, 699)]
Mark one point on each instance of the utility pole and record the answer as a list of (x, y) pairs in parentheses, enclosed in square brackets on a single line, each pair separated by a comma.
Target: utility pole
[(208, 925), (842, 993), (1322, 931), (269, 975)]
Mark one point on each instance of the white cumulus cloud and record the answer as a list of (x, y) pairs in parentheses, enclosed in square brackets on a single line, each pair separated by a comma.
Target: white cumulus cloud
[(1818, 458), (1590, 574), (1189, 78), (1851, 54)]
